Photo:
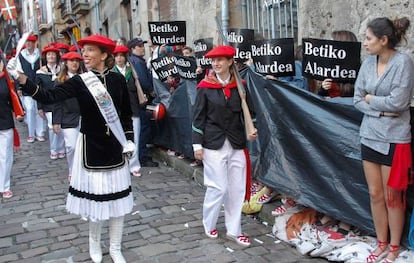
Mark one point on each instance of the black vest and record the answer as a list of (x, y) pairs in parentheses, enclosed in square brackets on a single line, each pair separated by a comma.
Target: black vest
[(6, 108), (28, 70)]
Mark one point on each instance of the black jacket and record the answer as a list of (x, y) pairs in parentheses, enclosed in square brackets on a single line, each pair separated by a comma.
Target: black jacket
[(217, 118), (101, 149), (66, 113), (6, 108), (132, 89), (44, 80)]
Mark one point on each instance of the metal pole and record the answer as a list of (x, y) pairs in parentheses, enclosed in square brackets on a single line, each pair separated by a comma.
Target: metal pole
[(244, 13), (272, 15), (291, 19), (269, 22), (258, 15), (297, 18), (280, 18), (252, 13), (286, 25), (225, 15), (8, 40)]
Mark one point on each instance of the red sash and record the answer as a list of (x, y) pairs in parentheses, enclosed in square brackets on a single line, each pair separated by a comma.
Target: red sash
[(211, 82), (400, 176), (17, 106)]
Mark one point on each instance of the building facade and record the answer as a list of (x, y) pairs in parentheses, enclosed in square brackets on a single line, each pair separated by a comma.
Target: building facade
[(65, 20)]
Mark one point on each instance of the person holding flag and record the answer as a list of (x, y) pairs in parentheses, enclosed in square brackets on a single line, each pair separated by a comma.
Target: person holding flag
[(100, 187), (8, 133)]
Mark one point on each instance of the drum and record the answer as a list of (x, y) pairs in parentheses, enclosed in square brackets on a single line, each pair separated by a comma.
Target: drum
[(158, 111)]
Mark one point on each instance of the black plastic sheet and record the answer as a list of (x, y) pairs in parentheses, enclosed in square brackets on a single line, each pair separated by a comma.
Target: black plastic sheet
[(308, 147), (174, 131), (310, 150)]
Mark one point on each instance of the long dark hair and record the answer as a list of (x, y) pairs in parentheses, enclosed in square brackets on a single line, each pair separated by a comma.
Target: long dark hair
[(110, 60), (394, 30)]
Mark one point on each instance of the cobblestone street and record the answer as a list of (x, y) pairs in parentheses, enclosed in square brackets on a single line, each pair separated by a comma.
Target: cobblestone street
[(165, 225)]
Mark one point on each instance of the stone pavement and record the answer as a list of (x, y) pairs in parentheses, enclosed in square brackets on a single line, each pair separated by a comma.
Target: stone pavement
[(165, 225)]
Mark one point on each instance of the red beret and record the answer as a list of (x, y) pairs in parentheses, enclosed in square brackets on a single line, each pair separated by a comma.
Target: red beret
[(71, 55), (62, 46), (73, 48), (221, 51), (32, 38), (98, 40), (120, 49), (50, 49)]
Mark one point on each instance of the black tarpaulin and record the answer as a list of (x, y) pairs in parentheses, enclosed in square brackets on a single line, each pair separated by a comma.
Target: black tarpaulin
[(307, 147), (174, 131)]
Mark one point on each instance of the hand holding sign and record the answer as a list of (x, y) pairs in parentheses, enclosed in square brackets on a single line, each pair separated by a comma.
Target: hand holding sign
[(337, 60), (167, 32)]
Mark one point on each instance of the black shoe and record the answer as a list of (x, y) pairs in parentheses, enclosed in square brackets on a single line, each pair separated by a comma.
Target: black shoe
[(149, 163)]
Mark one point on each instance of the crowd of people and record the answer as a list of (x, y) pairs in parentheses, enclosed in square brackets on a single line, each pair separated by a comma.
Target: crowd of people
[(94, 110)]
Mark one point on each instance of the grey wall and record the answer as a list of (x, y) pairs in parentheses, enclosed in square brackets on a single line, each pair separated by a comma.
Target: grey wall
[(318, 18)]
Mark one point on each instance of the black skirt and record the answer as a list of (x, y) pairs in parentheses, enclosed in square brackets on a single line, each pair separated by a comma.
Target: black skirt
[(371, 155)]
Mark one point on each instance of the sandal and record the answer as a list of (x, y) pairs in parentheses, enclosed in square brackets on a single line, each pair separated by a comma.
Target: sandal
[(382, 246), (242, 240), (394, 249), (212, 234)]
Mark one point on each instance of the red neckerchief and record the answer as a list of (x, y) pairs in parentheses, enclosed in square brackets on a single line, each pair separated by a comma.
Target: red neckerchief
[(211, 82)]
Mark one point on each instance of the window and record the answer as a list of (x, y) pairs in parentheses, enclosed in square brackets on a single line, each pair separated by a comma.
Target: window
[(271, 18)]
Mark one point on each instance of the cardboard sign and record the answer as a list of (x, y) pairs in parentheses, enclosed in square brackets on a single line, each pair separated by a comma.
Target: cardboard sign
[(164, 66), (274, 57), (241, 40), (186, 67), (336, 60), (168, 32), (201, 47)]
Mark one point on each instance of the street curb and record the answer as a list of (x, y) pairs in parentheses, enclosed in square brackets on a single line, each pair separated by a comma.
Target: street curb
[(196, 173)]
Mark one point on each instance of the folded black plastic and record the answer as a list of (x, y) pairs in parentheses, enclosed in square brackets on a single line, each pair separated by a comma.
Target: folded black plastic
[(308, 147)]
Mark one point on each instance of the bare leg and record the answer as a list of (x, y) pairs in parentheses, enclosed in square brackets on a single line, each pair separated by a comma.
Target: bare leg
[(395, 219), (378, 207)]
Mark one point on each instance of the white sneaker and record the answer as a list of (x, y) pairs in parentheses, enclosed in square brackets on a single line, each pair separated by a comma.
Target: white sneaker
[(212, 234), (242, 240)]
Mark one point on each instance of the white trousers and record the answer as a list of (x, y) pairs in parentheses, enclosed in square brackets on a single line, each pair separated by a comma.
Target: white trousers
[(35, 123), (56, 141), (70, 136), (134, 164), (225, 179), (6, 158)]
